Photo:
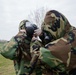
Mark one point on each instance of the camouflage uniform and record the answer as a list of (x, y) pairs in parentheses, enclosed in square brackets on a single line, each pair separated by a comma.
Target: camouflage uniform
[(18, 50), (59, 54)]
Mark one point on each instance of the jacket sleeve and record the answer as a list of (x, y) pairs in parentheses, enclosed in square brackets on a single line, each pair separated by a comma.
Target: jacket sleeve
[(46, 55), (34, 63), (10, 49)]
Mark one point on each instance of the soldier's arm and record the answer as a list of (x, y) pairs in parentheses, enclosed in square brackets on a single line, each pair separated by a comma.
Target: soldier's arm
[(10, 49), (34, 50)]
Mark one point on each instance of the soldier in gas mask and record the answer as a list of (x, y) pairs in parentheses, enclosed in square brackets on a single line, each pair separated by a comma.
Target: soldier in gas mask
[(58, 56), (18, 48)]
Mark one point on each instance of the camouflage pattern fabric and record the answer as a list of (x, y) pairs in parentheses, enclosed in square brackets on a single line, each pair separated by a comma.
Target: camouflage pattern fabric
[(1, 44), (18, 50), (22, 23), (59, 54), (55, 24)]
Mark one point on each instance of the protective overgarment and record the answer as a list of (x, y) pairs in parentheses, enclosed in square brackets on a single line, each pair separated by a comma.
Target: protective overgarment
[(59, 53)]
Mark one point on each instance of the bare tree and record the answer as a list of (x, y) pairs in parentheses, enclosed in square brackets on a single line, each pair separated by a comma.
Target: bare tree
[(37, 16)]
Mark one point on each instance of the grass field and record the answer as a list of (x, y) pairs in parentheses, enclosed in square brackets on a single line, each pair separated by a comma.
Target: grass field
[(6, 66)]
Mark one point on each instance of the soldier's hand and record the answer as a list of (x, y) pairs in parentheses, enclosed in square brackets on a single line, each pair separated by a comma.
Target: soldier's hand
[(34, 37), (21, 32), (37, 32)]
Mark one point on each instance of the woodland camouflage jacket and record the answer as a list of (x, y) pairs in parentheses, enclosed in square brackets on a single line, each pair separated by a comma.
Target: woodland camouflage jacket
[(18, 50), (59, 55)]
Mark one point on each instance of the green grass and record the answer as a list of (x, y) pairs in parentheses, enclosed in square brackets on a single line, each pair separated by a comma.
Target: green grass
[(6, 66)]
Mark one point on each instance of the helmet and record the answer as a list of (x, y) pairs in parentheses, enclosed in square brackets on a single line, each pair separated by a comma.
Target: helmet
[(55, 25), (28, 26)]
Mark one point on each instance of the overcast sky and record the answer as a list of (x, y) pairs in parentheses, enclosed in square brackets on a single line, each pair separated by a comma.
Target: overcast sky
[(13, 11)]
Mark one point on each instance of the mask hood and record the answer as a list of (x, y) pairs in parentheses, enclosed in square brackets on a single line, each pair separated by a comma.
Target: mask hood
[(55, 24)]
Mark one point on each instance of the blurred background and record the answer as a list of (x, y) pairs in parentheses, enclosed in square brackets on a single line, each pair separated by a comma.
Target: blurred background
[(13, 11)]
